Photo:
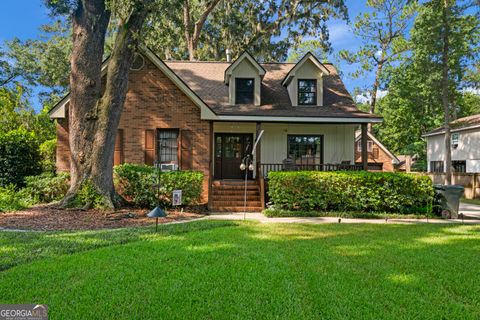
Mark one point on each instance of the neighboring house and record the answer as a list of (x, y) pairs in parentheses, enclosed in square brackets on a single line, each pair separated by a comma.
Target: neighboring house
[(379, 157), (206, 116), (406, 162), (465, 142)]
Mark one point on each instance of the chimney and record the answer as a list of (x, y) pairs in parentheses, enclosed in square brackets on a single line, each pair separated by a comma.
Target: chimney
[(229, 55)]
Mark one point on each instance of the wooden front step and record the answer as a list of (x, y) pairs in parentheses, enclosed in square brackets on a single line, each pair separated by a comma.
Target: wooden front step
[(228, 196)]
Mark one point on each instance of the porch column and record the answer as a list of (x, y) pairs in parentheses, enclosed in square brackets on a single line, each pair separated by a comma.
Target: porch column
[(257, 150), (364, 147)]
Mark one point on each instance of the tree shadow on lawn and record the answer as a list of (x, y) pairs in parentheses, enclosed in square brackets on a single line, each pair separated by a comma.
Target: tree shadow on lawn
[(18, 248), (265, 271)]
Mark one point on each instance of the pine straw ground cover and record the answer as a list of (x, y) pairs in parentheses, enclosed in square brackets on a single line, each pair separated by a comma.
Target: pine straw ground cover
[(50, 217), (245, 270)]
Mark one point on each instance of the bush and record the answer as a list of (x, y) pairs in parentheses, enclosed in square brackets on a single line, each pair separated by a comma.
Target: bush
[(351, 191), (19, 156), (135, 183), (47, 187), (12, 199), (48, 155)]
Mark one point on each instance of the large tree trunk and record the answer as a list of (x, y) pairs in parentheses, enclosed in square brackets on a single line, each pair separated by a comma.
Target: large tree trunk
[(93, 115), (376, 84), (445, 100), (192, 33)]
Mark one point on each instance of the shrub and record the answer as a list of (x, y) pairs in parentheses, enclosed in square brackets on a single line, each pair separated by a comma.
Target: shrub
[(135, 183), (48, 155), (47, 187), (350, 191), (19, 156), (12, 199)]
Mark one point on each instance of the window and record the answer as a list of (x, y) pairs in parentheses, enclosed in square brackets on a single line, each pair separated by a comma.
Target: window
[(459, 166), (167, 148), (307, 92), (244, 90), (369, 146), (455, 139), (305, 149), (436, 166)]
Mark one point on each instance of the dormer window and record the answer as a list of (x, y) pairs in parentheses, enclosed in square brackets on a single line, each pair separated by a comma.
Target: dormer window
[(244, 90), (307, 92), (304, 82)]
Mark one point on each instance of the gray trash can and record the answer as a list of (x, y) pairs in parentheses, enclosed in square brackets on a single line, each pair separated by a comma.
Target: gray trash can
[(450, 199)]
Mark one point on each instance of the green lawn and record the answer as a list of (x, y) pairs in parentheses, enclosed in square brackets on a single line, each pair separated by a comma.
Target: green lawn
[(471, 201), (237, 270)]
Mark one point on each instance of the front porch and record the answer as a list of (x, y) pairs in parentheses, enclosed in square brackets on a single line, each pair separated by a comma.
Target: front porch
[(283, 147)]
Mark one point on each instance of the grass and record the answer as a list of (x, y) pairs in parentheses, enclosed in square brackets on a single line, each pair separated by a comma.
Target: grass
[(471, 201), (271, 212), (244, 270)]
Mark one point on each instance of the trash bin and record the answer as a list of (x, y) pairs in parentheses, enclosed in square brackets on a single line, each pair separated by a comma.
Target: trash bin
[(450, 199)]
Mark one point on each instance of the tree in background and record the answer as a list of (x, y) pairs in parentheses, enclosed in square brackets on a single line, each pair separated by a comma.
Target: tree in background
[(239, 25), (422, 93), (383, 34), (313, 46)]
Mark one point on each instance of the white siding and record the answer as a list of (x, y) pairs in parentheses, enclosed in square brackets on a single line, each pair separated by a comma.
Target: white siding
[(245, 69), (306, 71), (338, 141), (468, 149)]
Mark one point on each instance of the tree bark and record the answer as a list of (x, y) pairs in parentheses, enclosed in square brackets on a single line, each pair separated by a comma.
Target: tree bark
[(192, 33), (376, 84), (93, 115), (445, 99)]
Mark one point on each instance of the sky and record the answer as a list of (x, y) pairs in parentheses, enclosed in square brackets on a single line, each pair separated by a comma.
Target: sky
[(22, 19)]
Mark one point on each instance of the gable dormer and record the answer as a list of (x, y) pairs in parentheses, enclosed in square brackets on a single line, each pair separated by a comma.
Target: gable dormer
[(244, 79), (304, 82)]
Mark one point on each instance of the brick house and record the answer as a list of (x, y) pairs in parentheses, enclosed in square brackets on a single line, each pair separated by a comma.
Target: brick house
[(379, 157), (207, 115)]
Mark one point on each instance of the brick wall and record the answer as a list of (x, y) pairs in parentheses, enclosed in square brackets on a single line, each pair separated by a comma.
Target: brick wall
[(378, 156), (152, 102)]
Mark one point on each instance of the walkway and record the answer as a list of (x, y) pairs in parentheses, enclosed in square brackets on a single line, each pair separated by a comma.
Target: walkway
[(470, 210), (256, 216)]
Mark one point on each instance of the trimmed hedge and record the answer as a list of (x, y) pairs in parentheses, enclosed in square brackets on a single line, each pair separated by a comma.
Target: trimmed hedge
[(19, 157), (351, 191), (48, 186), (135, 184)]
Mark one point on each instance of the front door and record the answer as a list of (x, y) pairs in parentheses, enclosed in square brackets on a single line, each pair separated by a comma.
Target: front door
[(230, 149)]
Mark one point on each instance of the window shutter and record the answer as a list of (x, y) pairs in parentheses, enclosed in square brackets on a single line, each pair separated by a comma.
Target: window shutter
[(149, 147), (118, 153), (186, 150)]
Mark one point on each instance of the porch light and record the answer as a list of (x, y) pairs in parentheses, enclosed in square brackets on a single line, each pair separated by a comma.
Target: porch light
[(243, 166)]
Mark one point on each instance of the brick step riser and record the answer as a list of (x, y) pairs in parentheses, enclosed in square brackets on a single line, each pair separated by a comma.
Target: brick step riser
[(235, 209), (235, 192), (236, 188), (229, 197), (236, 183), (235, 204)]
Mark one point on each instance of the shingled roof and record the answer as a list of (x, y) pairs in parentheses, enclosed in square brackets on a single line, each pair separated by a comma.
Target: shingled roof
[(461, 124), (206, 79)]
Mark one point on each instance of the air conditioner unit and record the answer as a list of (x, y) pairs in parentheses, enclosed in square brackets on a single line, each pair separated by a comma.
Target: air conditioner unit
[(169, 167)]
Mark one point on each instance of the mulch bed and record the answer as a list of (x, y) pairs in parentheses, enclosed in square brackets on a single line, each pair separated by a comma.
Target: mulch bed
[(50, 218)]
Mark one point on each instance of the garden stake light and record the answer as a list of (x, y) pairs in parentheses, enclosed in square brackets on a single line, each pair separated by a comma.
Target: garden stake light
[(157, 212)]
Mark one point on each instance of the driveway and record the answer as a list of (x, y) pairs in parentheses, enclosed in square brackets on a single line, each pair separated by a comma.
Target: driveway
[(470, 210)]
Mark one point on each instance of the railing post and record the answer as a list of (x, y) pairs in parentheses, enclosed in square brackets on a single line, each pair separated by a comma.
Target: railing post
[(364, 147)]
